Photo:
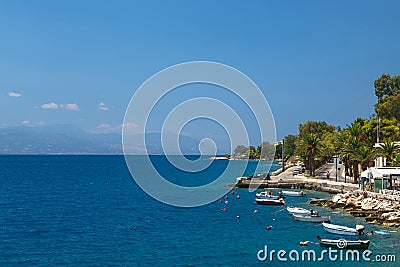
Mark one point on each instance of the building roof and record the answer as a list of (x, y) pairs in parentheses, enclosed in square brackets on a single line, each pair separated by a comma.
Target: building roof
[(380, 172)]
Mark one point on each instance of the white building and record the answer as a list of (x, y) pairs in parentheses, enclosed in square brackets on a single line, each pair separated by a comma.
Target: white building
[(381, 162)]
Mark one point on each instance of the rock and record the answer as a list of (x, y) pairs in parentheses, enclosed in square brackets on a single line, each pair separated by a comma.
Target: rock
[(368, 204), (360, 197), (336, 198), (350, 202), (342, 202)]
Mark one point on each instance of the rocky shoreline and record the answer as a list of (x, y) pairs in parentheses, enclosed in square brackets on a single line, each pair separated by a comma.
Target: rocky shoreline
[(375, 207)]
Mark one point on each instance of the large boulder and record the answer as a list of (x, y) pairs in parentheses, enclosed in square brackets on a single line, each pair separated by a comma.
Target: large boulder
[(351, 202), (368, 204), (336, 198)]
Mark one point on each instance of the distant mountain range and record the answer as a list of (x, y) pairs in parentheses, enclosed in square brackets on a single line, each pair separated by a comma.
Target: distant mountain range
[(67, 139)]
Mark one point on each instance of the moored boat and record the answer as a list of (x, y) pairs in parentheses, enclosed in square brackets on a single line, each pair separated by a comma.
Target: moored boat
[(343, 244), (266, 194), (343, 230), (299, 211), (311, 218), (293, 193), (266, 201)]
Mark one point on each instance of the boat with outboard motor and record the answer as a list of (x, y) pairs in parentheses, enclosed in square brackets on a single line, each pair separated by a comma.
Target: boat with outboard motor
[(299, 211), (293, 193), (343, 230), (316, 218), (267, 201), (343, 244)]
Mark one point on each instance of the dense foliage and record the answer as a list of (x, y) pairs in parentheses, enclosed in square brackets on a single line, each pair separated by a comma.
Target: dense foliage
[(317, 141)]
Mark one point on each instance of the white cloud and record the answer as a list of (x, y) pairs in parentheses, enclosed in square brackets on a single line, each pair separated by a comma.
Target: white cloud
[(13, 94), (104, 126), (25, 122), (53, 105), (49, 106), (103, 106), (129, 125), (74, 107)]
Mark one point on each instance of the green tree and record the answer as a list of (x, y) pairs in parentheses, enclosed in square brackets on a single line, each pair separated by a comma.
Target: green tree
[(388, 150), (310, 145), (350, 149), (386, 86), (240, 150), (267, 151), (315, 127), (290, 145), (389, 107), (364, 155)]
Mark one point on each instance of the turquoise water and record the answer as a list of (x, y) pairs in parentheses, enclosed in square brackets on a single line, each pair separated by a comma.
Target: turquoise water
[(81, 211)]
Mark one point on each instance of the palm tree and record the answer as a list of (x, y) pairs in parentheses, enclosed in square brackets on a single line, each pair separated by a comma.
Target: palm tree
[(364, 155), (388, 150), (355, 130), (396, 161), (350, 150), (310, 144)]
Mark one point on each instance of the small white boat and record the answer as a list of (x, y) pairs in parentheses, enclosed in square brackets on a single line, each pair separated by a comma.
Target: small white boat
[(311, 218), (293, 193), (381, 232), (266, 194), (298, 211), (343, 230), (266, 201)]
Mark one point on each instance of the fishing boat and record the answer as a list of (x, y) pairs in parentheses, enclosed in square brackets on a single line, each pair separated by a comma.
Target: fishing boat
[(343, 244), (311, 218), (267, 201), (266, 194), (298, 211), (343, 230), (293, 193)]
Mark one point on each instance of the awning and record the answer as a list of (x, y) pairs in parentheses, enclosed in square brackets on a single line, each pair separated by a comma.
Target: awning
[(380, 172)]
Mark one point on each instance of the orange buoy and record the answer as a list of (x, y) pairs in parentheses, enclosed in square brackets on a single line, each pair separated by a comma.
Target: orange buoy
[(233, 192), (220, 201), (226, 197)]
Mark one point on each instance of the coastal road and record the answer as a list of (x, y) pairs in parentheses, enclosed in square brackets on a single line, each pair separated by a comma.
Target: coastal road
[(286, 175), (321, 174)]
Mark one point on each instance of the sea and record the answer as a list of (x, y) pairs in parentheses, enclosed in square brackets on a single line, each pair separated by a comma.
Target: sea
[(59, 210)]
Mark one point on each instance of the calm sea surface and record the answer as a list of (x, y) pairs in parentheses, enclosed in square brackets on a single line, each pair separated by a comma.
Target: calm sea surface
[(81, 210)]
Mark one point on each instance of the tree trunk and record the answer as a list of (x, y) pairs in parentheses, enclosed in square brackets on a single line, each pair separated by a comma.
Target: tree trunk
[(312, 167), (355, 171)]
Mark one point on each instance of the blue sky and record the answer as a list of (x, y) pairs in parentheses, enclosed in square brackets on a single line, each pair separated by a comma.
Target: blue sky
[(313, 60)]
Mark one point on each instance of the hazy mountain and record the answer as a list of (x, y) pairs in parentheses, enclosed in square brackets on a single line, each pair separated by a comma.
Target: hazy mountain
[(67, 139), (57, 139)]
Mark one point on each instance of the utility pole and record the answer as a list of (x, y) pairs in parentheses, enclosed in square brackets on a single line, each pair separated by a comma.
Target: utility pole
[(283, 155), (377, 131), (336, 163)]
